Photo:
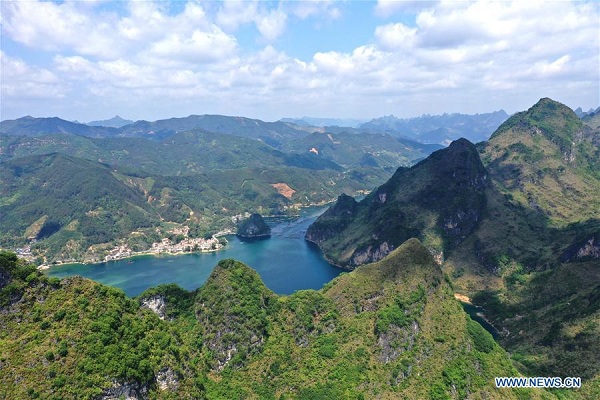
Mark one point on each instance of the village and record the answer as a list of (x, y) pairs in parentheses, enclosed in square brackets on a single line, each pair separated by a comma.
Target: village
[(167, 246), (164, 246)]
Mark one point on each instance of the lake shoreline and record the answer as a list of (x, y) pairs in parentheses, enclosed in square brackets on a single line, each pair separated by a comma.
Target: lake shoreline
[(285, 262), (149, 252), (217, 235)]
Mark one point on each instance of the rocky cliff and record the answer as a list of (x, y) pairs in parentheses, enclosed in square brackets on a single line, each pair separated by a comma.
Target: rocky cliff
[(440, 200), (254, 227)]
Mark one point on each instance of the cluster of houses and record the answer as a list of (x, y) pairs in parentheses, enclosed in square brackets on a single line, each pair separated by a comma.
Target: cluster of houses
[(186, 245), (167, 246), (25, 252)]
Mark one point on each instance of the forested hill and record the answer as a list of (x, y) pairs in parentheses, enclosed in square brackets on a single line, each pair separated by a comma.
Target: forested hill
[(389, 330), (169, 178), (515, 222)]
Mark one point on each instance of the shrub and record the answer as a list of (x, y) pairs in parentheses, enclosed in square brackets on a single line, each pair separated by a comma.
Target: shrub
[(482, 339)]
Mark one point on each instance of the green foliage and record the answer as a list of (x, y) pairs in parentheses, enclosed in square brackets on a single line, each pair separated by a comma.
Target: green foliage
[(15, 276), (85, 203), (233, 338), (391, 315), (439, 200), (482, 339)]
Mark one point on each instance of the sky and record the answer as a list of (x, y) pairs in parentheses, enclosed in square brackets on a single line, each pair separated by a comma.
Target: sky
[(90, 60)]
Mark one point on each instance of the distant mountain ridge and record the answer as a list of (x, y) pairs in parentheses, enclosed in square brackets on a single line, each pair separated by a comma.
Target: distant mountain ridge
[(114, 122), (30, 126), (591, 118), (515, 223), (325, 122), (441, 129), (272, 133), (427, 129)]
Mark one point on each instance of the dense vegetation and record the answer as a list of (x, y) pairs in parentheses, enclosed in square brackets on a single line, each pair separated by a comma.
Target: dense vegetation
[(438, 200), (514, 223), (530, 253), (253, 227), (78, 197), (72, 192), (388, 330)]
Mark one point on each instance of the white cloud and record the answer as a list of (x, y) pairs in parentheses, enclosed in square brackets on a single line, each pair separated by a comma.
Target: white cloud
[(387, 8), (49, 26), (316, 8), (452, 54), (236, 13), (395, 36), (470, 39), (272, 24), (21, 81), (197, 47)]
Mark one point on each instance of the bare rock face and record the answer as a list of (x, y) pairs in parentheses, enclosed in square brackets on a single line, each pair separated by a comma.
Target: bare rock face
[(371, 254), (125, 391), (157, 304), (396, 341), (583, 250), (166, 379)]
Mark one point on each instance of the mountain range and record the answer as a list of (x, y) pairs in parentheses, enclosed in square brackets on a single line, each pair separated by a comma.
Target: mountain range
[(325, 122), (511, 224), (515, 222), (391, 329), (427, 129), (441, 129), (114, 122), (190, 179)]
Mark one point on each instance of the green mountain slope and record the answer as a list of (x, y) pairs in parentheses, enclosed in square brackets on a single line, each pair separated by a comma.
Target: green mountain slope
[(547, 159), (185, 153), (351, 149), (439, 200), (387, 330), (30, 126), (67, 204), (272, 133), (78, 209), (529, 252)]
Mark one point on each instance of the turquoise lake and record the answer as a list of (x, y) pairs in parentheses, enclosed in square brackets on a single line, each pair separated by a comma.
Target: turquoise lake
[(285, 262)]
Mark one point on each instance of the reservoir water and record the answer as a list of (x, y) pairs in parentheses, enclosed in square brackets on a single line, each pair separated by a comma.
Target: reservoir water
[(285, 262), (475, 313)]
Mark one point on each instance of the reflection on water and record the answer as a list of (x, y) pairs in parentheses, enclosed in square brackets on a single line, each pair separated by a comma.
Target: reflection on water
[(475, 314)]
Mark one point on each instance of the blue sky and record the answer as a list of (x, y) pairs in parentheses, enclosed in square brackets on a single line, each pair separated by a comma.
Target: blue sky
[(90, 60)]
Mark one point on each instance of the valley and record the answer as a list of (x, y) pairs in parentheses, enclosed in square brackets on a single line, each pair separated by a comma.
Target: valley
[(312, 200), (269, 257), (74, 198), (511, 223), (514, 222)]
